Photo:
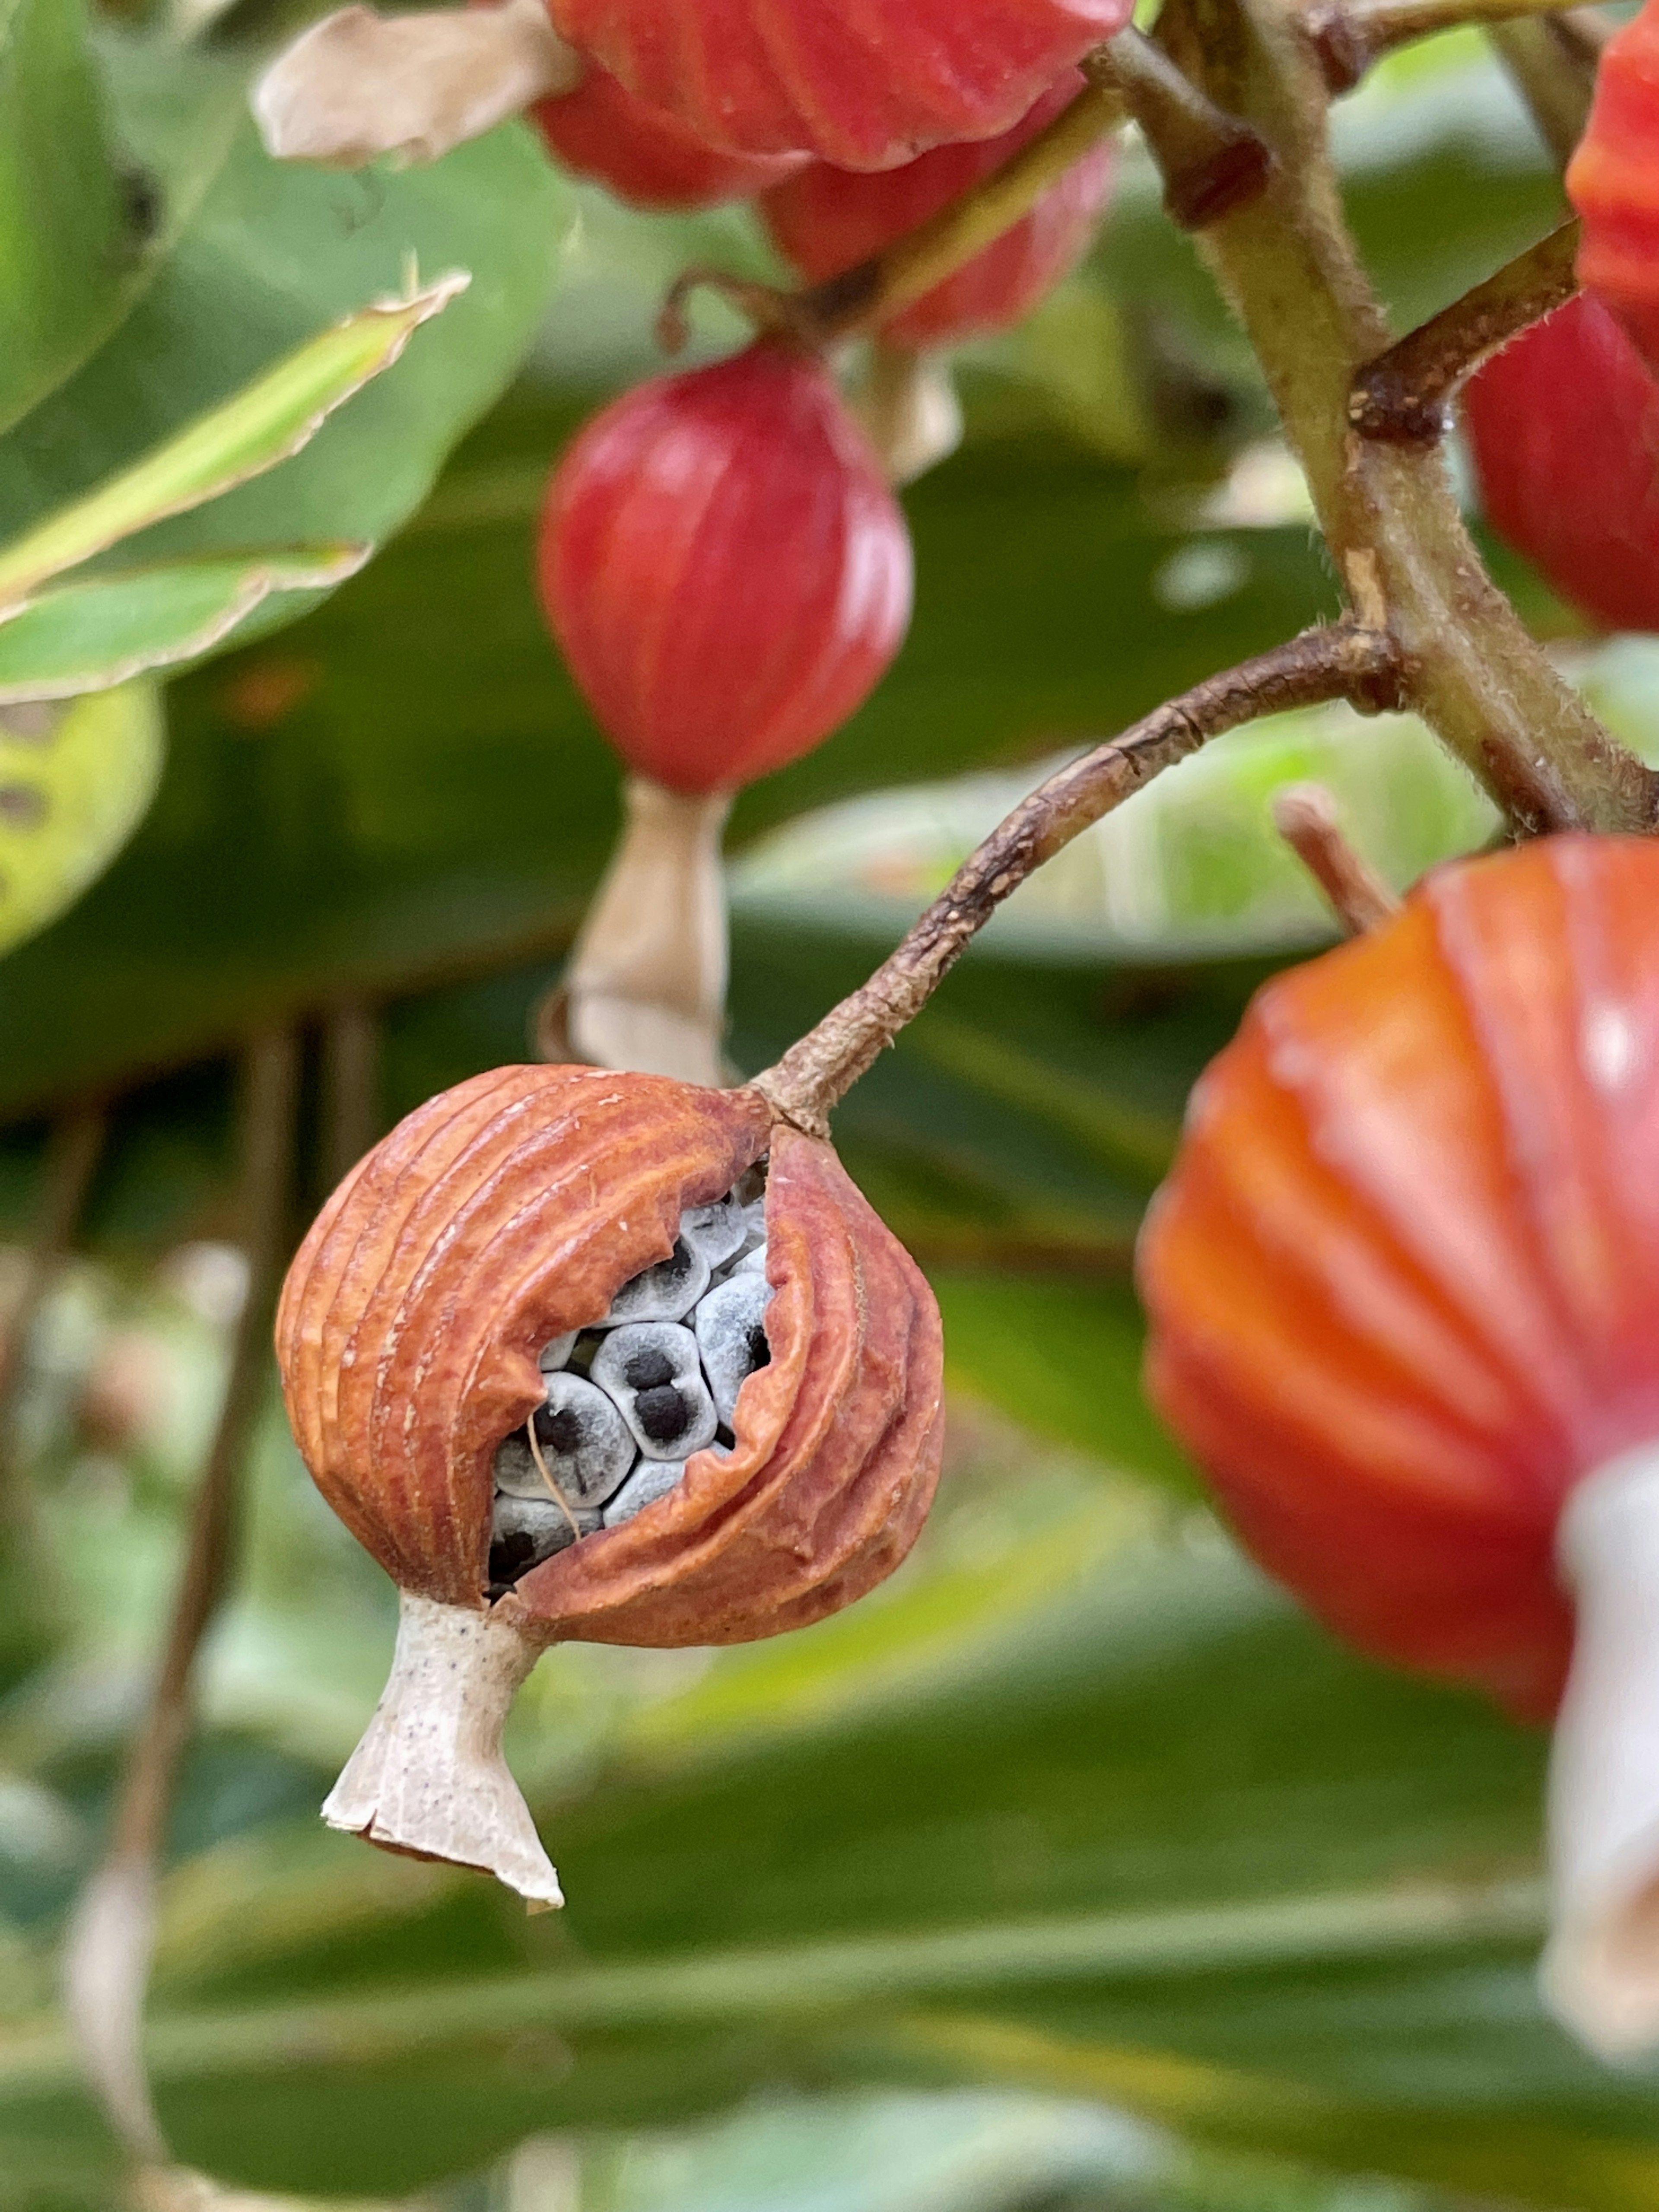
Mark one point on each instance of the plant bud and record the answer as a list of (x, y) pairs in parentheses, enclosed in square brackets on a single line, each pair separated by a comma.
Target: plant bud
[(1564, 427), (1403, 1282), (498, 1226), (645, 156), (865, 87), (1613, 182), (725, 567), (827, 219)]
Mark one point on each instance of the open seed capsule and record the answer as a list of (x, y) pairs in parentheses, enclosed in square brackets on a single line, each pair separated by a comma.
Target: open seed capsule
[(730, 1335), (511, 1211), (653, 1372)]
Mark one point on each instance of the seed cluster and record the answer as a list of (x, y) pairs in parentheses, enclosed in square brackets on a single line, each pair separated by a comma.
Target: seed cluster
[(631, 1400)]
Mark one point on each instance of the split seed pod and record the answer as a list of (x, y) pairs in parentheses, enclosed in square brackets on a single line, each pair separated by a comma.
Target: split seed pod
[(725, 567), (1613, 182), (508, 1213), (1402, 1283), (1564, 426), (647, 157), (828, 219)]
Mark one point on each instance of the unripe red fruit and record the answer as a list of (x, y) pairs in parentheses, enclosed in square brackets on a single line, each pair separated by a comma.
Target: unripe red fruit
[(827, 219), (1564, 426), (645, 156), (725, 567), (864, 83), (1613, 182)]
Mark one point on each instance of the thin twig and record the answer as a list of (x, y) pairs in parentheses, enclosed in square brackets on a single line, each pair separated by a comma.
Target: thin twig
[(106, 1962), (1210, 161), (74, 1149), (1552, 63), (1305, 817), (1349, 35), (1404, 394), (1343, 662), (351, 1086)]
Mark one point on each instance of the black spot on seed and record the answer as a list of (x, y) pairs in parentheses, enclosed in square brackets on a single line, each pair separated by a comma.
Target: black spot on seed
[(663, 1414), (22, 805), (560, 1432), (678, 1266), (509, 1557), (760, 1351), (648, 1370)]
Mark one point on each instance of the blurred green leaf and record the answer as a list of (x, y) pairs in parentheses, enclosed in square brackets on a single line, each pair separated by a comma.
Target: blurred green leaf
[(74, 783)]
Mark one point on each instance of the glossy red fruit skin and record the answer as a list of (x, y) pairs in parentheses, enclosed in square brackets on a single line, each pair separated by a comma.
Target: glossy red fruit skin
[(725, 567), (646, 157), (1402, 1279), (1564, 428), (1613, 182), (826, 219), (864, 84)]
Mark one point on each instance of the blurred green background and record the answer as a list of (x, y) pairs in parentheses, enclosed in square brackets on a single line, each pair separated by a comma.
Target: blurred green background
[(1075, 1869)]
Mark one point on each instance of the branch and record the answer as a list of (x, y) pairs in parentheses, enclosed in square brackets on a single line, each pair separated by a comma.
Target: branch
[(352, 1087), (1387, 512), (1554, 65), (1404, 394), (108, 1951), (1340, 663), (1305, 817), (1210, 161), (1349, 35)]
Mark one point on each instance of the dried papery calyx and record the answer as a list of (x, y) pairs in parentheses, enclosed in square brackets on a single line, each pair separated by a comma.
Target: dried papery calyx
[(866, 86), (357, 85), (1402, 1283), (645, 156), (827, 220), (1613, 182), (1564, 428), (473, 1390)]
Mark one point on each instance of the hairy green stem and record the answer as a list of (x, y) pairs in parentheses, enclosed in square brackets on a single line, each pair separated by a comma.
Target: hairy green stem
[(1289, 266), (1349, 35)]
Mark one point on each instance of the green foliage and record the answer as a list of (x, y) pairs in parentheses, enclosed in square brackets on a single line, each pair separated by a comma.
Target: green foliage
[(1075, 1819)]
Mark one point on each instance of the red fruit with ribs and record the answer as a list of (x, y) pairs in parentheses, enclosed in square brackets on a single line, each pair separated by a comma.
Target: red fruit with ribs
[(725, 567), (1402, 1283), (1564, 428), (1613, 182), (645, 156), (827, 219), (864, 84)]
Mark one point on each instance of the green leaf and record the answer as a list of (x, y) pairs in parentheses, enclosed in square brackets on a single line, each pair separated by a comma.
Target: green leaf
[(269, 421), (64, 247), (74, 783), (85, 637)]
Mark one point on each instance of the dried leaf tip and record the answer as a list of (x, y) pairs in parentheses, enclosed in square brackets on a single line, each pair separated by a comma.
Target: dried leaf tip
[(357, 84)]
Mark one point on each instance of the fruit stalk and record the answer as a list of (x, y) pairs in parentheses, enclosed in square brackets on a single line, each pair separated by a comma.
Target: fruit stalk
[(647, 984), (429, 1777), (1289, 265), (1305, 817), (1601, 1970), (1342, 662)]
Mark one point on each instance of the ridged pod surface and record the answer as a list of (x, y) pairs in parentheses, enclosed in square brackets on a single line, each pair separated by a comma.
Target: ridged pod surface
[(864, 84), (725, 567), (509, 1211), (827, 219), (646, 157), (1402, 1280), (1564, 427), (1614, 181)]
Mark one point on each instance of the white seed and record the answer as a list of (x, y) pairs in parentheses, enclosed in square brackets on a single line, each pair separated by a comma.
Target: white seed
[(540, 1524), (732, 1336), (752, 1263), (651, 1480), (663, 1292), (584, 1442), (652, 1370), (754, 1224), (554, 1353), (717, 1231)]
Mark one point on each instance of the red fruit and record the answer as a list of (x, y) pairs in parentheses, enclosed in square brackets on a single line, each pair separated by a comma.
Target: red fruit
[(645, 156), (1403, 1282), (1613, 182), (828, 219), (1565, 428), (725, 567), (864, 83)]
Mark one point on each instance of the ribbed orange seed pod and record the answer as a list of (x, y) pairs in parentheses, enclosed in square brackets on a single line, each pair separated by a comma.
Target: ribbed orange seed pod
[(1613, 182), (1403, 1283)]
